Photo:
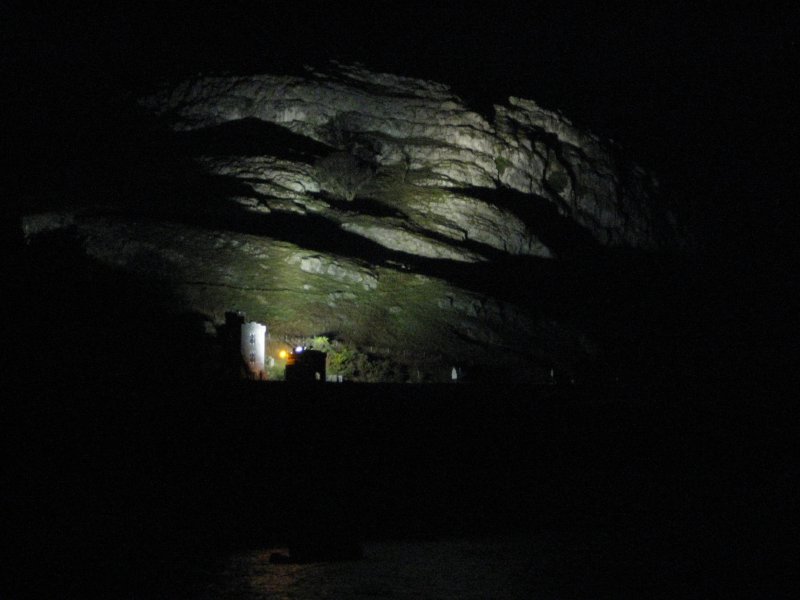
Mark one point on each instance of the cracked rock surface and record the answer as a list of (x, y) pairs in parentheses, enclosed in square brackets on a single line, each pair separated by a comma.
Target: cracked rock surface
[(441, 257), (428, 132)]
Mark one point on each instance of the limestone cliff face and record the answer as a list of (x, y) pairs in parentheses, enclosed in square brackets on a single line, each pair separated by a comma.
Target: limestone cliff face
[(426, 132), (376, 209)]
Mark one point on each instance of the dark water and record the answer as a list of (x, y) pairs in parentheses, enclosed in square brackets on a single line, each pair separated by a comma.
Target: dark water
[(453, 491), (585, 564), (456, 569)]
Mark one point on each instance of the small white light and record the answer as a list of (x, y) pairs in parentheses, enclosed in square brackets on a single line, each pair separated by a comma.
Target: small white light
[(298, 349)]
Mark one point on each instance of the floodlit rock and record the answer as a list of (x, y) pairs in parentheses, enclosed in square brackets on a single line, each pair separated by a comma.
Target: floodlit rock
[(335, 269), (270, 177), (443, 248), (396, 237), (47, 221), (585, 177), (465, 218), (424, 128)]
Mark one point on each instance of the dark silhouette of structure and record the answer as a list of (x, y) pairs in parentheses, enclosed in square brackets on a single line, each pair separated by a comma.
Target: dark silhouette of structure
[(305, 365)]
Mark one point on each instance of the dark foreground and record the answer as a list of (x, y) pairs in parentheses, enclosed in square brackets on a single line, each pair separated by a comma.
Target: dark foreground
[(138, 492)]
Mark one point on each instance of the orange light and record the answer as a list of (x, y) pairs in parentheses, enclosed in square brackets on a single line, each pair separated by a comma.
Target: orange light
[(283, 354)]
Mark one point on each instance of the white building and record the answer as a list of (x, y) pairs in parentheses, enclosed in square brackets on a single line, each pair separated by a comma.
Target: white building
[(254, 344)]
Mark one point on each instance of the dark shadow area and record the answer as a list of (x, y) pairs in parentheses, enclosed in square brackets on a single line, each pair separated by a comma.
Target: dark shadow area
[(80, 320), (250, 137), (91, 493), (364, 206), (144, 490), (562, 235)]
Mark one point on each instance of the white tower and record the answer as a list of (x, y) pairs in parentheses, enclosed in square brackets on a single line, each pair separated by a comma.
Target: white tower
[(254, 343)]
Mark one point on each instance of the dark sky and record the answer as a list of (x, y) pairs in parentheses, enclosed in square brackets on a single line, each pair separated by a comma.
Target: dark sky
[(698, 95)]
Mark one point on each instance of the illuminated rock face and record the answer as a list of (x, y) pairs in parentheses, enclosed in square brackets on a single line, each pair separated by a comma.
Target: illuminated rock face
[(423, 322), (424, 130), (448, 255)]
